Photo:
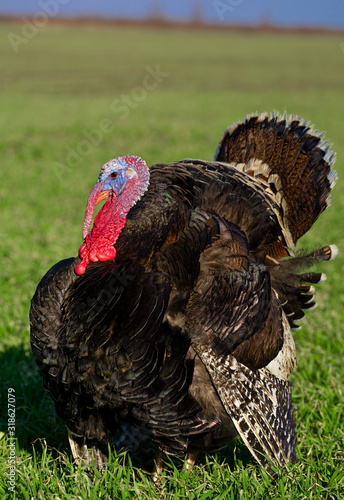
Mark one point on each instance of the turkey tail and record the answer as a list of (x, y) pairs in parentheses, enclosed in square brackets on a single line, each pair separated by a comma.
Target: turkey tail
[(290, 159)]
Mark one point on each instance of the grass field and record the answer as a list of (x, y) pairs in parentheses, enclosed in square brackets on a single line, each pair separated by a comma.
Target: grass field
[(73, 97)]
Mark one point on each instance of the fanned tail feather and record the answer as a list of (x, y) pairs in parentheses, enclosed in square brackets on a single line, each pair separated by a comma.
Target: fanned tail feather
[(291, 159)]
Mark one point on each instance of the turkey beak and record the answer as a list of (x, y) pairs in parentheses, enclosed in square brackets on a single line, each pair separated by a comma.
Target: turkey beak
[(103, 195), (97, 195)]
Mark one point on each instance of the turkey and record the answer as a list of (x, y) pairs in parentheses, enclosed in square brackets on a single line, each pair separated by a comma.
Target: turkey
[(174, 322)]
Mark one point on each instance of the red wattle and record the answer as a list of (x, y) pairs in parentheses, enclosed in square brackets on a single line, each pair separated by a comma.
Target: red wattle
[(108, 253), (83, 250), (93, 254), (81, 268), (99, 243)]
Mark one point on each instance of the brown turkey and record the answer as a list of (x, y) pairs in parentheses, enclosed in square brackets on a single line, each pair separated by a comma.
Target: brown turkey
[(175, 319)]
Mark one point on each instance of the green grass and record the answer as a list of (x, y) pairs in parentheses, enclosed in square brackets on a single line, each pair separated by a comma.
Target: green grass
[(57, 91)]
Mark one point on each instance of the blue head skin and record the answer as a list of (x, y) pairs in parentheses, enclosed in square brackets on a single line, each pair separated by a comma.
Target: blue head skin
[(113, 178), (115, 174)]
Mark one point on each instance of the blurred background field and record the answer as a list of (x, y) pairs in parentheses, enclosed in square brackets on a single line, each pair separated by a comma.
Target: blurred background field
[(74, 96)]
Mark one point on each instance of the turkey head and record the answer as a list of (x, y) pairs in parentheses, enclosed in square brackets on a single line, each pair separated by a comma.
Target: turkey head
[(122, 181)]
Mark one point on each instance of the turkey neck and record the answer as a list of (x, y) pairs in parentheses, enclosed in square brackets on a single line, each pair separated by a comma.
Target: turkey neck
[(110, 220)]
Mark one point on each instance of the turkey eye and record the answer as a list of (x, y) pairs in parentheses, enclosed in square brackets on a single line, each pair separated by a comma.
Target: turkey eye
[(114, 175)]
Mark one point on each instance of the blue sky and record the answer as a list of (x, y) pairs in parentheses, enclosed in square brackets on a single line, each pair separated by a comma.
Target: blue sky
[(327, 13)]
